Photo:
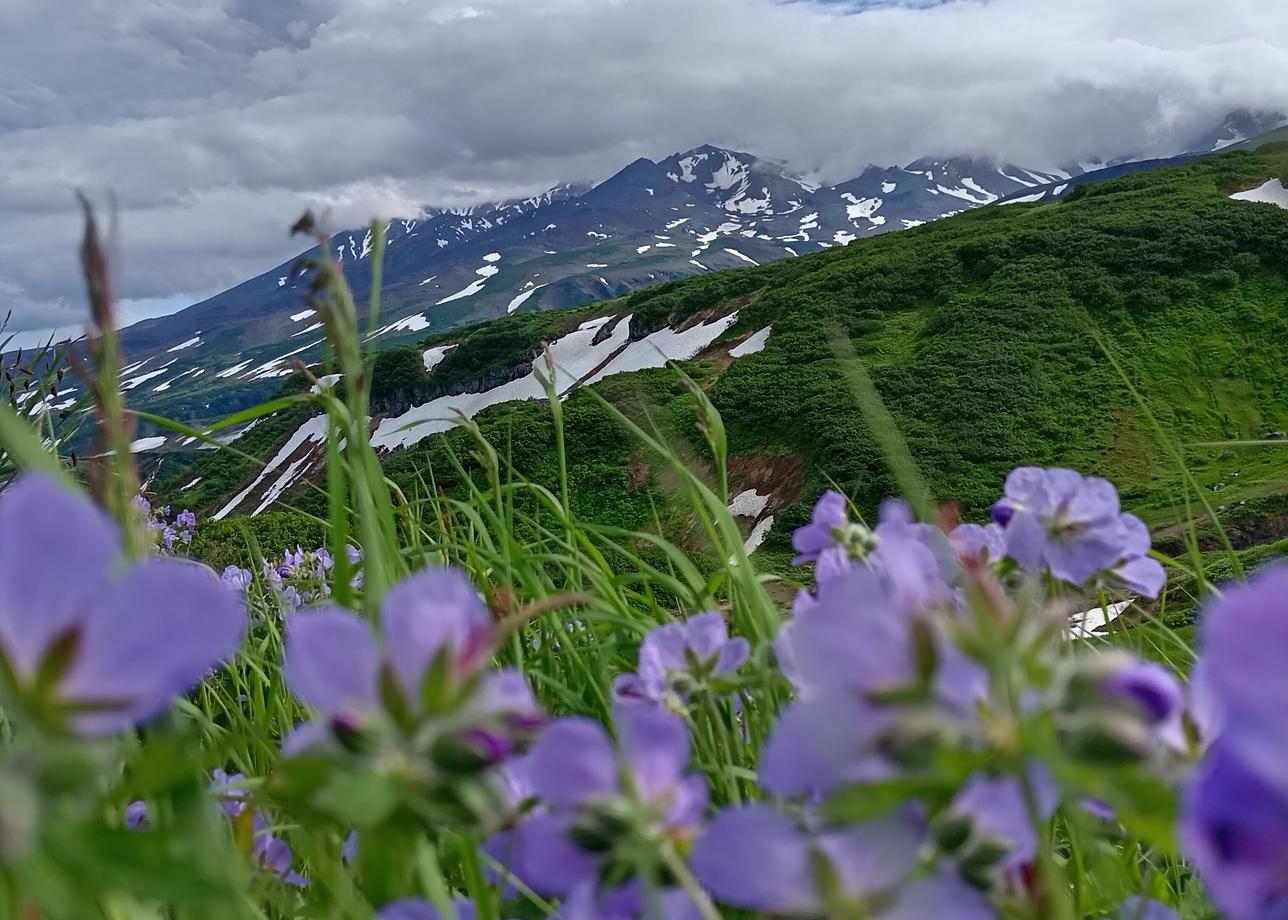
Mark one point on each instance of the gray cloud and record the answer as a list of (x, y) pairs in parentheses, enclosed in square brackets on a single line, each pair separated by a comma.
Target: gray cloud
[(215, 123)]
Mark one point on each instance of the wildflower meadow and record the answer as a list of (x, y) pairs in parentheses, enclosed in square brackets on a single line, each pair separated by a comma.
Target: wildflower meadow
[(483, 707)]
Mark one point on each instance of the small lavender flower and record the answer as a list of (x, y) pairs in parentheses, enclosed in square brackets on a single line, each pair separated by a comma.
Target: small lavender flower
[(434, 619), (755, 858), (985, 544), (114, 648), (599, 804), (237, 578), (679, 659), (136, 815), (821, 533), (1071, 525), (915, 560)]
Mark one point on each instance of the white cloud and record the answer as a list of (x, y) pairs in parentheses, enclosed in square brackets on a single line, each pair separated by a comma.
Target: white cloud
[(216, 123)]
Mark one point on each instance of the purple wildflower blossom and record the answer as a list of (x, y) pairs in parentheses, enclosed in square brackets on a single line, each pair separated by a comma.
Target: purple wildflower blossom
[(1234, 829), (820, 534), (1234, 814), (915, 560), (845, 651), (679, 658), (133, 638), (596, 797), (333, 663), (1145, 909), (758, 859), (995, 807), (985, 544), (136, 815), (1071, 525)]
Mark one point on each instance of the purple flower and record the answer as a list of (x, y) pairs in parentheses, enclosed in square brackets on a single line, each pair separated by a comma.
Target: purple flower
[(1234, 813), (678, 659), (186, 520), (597, 799), (996, 810), (915, 560), (754, 858), (1071, 525), (118, 642), (1234, 829), (1145, 909), (986, 544), (334, 665), (1150, 686), (237, 578), (1240, 683), (136, 815), (848, 652), (821, 533), (272, 854), (412, 909)]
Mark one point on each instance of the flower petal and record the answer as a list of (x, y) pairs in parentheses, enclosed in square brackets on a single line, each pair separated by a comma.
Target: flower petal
[(59, 550), (432, 610), (150, 638), (706, 633), (572, 760), (548, 859), (332, 663), (874, 857), (655, 744), (755, 858), (944, 897), (821, 744)]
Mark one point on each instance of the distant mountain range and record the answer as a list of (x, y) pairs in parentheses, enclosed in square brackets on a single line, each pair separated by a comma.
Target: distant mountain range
[(699, 211)]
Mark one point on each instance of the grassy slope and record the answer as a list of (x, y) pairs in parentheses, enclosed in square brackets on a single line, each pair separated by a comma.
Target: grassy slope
[(982, 335)]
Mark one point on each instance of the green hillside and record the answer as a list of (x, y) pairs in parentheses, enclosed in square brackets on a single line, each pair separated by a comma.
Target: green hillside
[(983, 336)]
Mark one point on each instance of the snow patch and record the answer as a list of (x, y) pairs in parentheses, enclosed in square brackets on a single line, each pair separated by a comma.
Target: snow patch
[(312, 430), (752, 344), (574, 356), (303, 314), (736, 253), (195, 340), (1088, 623), (1272, 192), (484, 273), (748, 504), (434, 356), (520, 299)]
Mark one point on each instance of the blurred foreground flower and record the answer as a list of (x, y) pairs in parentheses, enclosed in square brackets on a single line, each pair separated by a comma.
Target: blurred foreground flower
[(1234, 823), (429, 676), (604, 810), (89, 644)]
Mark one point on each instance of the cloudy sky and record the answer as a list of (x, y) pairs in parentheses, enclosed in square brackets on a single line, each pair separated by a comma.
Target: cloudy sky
[(216, 122)]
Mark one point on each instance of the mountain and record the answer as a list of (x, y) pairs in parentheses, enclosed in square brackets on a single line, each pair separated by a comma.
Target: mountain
[(985, 334), (694, 212)]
